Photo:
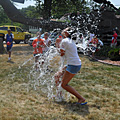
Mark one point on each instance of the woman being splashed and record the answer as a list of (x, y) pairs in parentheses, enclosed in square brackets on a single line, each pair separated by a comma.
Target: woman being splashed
[(69, 50)]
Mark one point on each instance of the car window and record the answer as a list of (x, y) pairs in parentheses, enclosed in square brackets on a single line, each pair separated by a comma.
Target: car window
[(19, 30), (3, 28), (12, 29)]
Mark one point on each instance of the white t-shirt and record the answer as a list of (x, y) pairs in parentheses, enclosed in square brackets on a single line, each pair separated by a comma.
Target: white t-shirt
[(6, 36), (71, 53), (91, 37), (46, 43)]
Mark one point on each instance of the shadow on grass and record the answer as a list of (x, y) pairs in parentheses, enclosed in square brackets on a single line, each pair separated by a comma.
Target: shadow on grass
[(10, 61), (24, 53), (92, 59), (22, 48), (82, 110), (88, 57)]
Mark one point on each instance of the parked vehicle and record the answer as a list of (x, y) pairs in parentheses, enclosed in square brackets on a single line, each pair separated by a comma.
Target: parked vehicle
[(30, 41), (19, 34), (53, 36)]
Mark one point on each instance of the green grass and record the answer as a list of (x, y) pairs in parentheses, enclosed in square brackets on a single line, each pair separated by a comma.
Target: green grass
[(97, 82)]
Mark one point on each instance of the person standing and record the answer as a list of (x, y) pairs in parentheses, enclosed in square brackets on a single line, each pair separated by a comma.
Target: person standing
[(91, 36), (47, 42), (69, 50), (94, 42), (9, 41), (114, 39), (58, 41), (38, 45)]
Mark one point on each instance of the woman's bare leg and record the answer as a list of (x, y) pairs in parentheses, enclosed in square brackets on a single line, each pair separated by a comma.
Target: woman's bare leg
[(57, 77), (66, 78), (36, 60)]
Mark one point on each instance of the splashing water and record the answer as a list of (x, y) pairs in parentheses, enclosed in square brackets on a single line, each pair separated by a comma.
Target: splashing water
[(50, 62), (84, 24), (42, 78)]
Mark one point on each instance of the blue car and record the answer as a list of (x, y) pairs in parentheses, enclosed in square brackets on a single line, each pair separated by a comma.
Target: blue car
[(30, 41)]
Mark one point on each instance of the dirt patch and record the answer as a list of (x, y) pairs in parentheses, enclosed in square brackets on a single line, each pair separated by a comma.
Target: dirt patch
[(107, 61), (111, 62)]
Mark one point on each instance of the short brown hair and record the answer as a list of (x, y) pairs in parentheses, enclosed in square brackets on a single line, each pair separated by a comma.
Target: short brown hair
[(46, 34), (38, 33)]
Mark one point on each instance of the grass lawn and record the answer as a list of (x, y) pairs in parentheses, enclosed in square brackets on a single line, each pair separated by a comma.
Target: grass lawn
[(97, 82)]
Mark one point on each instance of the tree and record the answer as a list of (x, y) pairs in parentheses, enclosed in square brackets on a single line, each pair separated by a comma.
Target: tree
[(47, 9), (44, 8), (14, 14), (30, 12), (61, 7), (2, 49), (3, 17), (39, 7), (118, 11)]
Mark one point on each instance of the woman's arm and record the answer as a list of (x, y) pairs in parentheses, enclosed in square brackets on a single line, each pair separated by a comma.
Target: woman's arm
[(62, 52)]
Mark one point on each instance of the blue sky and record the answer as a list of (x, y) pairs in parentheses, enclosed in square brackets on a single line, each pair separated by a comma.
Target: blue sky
[(115, 2), (32, 2)]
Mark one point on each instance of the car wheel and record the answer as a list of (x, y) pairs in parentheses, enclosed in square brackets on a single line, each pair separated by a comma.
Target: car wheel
[(17, 41), (26, 41)]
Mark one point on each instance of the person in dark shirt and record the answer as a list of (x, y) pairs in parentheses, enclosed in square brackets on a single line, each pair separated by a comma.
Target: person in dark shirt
[(9, 41)]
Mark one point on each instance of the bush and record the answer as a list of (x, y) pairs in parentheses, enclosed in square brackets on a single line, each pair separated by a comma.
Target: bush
[(103, 52), (114, 54)]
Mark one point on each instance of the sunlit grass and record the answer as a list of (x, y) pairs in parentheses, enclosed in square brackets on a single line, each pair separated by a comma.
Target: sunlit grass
[(97, 82)]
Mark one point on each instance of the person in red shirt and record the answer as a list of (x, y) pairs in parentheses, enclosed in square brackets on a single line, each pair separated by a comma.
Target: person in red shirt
[(114, 39), (38, 45)]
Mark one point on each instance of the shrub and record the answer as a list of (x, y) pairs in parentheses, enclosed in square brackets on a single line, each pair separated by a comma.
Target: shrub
[(114, 54), (103, 52)]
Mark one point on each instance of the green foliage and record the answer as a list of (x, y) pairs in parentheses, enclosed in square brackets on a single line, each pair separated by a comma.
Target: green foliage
[(108, 52), (103, 52), (3, 17), (30, 12), (118, 11), (114, 54), (60, 8), (56, 9), (39, 7), (4, 20)]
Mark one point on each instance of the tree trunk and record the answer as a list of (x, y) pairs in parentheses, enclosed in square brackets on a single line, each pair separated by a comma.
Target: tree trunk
[(15, 15), (47, 9)]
